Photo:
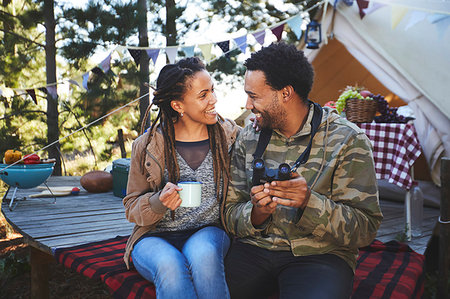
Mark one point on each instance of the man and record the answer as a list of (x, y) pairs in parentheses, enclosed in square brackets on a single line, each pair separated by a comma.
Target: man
[(299, 236)]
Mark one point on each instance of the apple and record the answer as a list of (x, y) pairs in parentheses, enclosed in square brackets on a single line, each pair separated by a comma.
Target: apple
[(365, 93)]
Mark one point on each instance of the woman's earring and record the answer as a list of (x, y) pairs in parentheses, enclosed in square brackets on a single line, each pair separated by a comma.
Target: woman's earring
[(181, 114)]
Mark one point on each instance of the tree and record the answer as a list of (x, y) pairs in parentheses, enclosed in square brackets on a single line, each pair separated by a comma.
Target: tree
[(52, 98), (22, 59)]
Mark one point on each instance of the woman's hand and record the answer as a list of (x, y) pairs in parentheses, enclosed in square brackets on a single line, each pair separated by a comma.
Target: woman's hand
[(169, 196)]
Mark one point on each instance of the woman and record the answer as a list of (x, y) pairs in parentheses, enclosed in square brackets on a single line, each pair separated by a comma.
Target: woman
[(179, 249)]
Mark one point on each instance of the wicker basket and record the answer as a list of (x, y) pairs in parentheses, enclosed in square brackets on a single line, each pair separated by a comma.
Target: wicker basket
[(360, 111)]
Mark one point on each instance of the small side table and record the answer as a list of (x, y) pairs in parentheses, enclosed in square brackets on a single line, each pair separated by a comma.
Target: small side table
[(395, 149)]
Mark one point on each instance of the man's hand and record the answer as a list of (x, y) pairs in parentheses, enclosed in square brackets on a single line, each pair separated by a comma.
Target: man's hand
[(292, 193), (263, 206), (169, 196)]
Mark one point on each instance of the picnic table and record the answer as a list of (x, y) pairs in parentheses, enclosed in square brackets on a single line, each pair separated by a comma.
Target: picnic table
[(70, 220)]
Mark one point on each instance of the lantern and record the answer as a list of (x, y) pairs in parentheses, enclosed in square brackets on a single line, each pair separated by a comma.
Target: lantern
[(313, 35)]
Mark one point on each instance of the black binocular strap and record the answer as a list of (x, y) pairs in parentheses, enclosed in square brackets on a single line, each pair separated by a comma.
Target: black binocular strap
[(263, 141)]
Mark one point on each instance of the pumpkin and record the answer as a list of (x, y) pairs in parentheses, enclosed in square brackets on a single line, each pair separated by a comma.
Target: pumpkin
[(97, 181), (12, 156)]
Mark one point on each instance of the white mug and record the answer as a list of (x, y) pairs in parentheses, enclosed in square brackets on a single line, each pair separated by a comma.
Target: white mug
[(191, 195)]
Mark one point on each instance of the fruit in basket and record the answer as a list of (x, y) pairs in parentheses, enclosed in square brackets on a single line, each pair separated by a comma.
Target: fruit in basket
[(31, 159), (12, 156), (351, 93), (97, 181)]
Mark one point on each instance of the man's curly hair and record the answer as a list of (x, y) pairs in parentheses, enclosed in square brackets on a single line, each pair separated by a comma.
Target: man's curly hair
[(283, 65)]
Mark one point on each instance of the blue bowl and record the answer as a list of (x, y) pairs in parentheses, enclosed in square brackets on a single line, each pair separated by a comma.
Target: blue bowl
[(26, 176)]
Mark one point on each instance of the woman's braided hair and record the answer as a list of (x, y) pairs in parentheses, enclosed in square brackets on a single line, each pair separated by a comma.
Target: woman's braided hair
[(172, 83)]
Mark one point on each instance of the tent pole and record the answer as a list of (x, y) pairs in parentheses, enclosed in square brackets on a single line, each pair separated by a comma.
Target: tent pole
[(444, 229)]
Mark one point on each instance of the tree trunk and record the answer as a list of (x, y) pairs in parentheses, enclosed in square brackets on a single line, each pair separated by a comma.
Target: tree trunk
[(52, 97), (144, 61), (171, 29)]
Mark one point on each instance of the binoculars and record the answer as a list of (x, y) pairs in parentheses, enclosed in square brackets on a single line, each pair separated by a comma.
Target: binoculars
[(262, 174)]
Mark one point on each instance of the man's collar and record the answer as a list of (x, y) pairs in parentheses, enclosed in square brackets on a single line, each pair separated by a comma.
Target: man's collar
[(306, 129)]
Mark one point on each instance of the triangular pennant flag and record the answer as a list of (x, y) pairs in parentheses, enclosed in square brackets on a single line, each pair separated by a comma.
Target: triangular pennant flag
[(32, 94), (78, 81), (206, 51), (189, 51), (85, 80), (136, 54), (362, 4), (434, 18), (415, 17), (120, 50), (225, 47), (153, 54), (260, 36), (105, 65), (296, 25), (52, 91), (98, 71), (43, 89), (441, 26), (397, 14), (172, 53), (278, 31), (372, 7), (241, 42), (7, 92)]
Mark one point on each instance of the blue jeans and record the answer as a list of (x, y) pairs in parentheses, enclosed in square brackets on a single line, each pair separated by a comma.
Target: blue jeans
[(254, 272), (184, 264)]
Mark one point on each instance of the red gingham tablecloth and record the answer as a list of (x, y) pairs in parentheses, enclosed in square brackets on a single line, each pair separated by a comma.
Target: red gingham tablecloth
[(395, 149)]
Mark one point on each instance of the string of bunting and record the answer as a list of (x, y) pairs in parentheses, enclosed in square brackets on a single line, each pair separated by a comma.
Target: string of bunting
[(295, 22)]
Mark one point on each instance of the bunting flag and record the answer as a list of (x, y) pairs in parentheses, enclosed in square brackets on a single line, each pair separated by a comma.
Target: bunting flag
[(397, 14), (415, 17), (78, 81), (136, 54), (278, 31), (206, 51), (260, 36), (373, 7), (153, 54), (120, 50), (189, 51), (105, 65), (225, 47), (442, 23), (171, 53), (98, 71), (43, 89), (362, 4), (32, 94), (241, 42), (85, 80), (52, 91), (296, 25)]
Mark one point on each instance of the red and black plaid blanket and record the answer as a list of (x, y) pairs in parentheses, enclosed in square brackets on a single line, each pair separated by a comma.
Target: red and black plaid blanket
[(384, 270)]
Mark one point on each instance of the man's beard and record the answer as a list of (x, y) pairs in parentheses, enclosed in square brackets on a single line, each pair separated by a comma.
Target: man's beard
[(274, 116)]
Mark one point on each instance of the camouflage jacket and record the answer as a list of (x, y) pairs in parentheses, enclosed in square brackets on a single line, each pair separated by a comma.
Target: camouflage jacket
[(343, 211)]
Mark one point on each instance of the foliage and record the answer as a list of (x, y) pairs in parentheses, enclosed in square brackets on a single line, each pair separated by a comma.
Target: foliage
[(12, 266), (83, 31)]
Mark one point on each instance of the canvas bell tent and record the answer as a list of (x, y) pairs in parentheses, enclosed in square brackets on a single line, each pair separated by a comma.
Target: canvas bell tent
[(402, 48)]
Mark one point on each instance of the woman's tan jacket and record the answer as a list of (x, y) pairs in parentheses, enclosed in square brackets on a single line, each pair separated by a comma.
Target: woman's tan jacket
[(142, 204)]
